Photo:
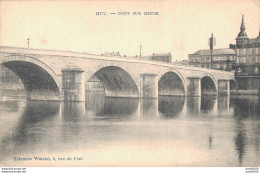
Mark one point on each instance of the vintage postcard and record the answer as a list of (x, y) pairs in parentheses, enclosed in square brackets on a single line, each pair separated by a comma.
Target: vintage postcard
[(120, 83)]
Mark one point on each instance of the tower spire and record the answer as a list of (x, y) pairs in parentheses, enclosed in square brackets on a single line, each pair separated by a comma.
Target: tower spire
[(242, 32), (242, 24)]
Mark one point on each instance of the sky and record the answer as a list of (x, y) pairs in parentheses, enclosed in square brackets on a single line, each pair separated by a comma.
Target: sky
[(181, 28)]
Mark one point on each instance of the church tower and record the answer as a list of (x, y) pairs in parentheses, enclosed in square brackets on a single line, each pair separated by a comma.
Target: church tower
[(242, 36)]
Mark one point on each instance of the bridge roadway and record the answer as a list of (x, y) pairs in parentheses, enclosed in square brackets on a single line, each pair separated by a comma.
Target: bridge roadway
[(63, 75)]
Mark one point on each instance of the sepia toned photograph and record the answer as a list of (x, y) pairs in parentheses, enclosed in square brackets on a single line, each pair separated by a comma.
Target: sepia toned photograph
[(126, 83)]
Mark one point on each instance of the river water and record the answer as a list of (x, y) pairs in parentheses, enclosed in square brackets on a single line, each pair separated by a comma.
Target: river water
[(169, 131)]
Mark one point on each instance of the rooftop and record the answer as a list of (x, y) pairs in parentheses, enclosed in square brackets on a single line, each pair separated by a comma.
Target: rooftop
[(254, 40), (224, 51), (161, 54)]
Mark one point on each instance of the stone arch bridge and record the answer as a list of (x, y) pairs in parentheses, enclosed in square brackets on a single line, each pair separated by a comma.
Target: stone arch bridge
[(62, 75)]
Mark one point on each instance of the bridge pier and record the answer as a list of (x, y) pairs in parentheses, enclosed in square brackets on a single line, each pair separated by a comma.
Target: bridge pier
[(149, 86), (193, 86), (73, 82), (193, 106), (224, 87)]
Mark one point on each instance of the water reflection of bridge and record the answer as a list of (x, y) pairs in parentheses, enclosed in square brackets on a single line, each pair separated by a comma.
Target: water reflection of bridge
[(70, 120), (98, 104)]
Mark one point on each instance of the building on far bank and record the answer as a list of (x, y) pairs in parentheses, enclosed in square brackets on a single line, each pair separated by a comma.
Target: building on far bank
[(9, 80), (183, 62), (222, 58), (164, 57), (111, 54), (94, 84), (247, 60), (247, 50)]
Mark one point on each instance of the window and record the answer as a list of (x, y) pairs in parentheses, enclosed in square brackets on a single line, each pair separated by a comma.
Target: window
[(247, 60), (221, 66), (240, 60), (241, 52), (253, 60)]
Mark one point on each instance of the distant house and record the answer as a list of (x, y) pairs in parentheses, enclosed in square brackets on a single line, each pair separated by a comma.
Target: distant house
[(111, 54), (9, 80), (183, 62), (221, 58), (165, 57)]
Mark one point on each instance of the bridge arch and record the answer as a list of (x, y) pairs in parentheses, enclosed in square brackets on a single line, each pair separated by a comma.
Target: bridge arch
[(40, 81), (117, 82), (208, 85), (171, 83)]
